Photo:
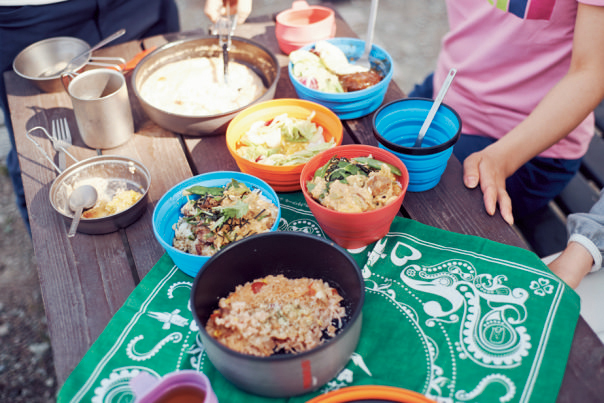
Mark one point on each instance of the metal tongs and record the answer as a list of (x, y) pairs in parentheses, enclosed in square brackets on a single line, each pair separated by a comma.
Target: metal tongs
[(224, 27)]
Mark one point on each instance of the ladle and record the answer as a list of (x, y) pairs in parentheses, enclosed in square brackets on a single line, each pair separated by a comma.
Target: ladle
[(225, 26), (364, 59), (74, 62), (435, 106), (82, 198)]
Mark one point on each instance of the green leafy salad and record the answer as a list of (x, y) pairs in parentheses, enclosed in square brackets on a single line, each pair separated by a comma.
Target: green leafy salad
[(221, 215), (355, 185), (283, 140)]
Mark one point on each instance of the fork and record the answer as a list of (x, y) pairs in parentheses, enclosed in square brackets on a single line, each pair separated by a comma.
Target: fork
[(61, 139)]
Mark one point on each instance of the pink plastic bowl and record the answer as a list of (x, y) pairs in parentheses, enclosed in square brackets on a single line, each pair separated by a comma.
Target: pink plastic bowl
[(302, 25), (354, 230)]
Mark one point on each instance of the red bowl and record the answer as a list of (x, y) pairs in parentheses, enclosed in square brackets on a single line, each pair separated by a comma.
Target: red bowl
[(354, 230)]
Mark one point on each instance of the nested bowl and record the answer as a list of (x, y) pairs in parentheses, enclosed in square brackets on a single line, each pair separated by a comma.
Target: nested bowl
[(294, 255), (303, 24), (351, 105), (40, 62), (167, 212), (244, 51), (354, 230), (281, 178), (396, 126)]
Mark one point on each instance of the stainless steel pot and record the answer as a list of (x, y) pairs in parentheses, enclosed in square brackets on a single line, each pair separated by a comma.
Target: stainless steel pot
[(111, 173), (293, 254), (244, 51)]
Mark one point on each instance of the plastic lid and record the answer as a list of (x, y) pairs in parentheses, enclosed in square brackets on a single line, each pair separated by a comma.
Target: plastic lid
[(371, 393)]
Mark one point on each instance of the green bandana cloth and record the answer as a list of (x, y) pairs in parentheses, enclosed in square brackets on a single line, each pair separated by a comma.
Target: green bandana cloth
[(457, 318)]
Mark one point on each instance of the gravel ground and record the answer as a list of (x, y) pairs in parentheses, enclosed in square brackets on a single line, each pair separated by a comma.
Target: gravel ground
[(411, 31)]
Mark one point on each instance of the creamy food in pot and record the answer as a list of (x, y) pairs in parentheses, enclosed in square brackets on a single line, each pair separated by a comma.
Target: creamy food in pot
[(196, 87), (276, 314)]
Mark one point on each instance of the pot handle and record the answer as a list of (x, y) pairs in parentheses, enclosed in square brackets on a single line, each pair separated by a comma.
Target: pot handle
[(39, 147), (94, 61)]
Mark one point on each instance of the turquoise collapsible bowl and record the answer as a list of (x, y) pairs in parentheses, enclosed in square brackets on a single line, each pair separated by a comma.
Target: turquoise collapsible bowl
[(396, 126), (167, 213), (351, 105)]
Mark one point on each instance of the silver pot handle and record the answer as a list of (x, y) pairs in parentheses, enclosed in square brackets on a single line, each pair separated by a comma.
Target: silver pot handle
[(39, 147), (107, 61)]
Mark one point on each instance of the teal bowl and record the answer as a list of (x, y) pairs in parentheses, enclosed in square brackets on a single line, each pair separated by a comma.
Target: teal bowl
[(350, 105), (167, 213), (396, 126)]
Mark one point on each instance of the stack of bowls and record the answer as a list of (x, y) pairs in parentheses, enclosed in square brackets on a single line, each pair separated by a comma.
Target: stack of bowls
[(354, 230), (281, 178), (351, 105), (396, 126), (41, 62), (167, 213)]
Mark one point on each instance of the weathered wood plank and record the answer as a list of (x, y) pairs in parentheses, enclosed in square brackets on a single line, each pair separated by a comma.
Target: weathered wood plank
[(63, 277)]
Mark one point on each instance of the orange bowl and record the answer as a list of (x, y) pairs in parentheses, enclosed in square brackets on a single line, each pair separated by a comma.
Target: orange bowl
[(354, 230), (281, 178)]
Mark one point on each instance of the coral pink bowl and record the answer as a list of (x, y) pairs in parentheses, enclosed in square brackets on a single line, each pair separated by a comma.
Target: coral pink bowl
[(354, 230), (302, 25)]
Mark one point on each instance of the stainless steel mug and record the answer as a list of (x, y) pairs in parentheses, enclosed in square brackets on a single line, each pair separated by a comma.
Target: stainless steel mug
[(102, 109)]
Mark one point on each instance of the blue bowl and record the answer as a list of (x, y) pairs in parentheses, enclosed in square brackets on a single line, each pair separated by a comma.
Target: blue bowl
[(167, 213), (351, 105), (396, 126)]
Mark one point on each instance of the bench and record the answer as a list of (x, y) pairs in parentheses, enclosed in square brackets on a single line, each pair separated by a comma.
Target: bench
[(545, 231)]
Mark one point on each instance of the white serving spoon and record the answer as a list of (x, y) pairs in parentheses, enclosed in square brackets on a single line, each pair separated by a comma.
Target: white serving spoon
[(82, 198), (435, 106), (364, 59)]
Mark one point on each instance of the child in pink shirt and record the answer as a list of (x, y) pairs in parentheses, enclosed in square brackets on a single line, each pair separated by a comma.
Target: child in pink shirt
[(529, 74)]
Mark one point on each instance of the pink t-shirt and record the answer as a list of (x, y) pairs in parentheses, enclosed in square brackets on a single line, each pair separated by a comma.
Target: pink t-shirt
[(508, 55)]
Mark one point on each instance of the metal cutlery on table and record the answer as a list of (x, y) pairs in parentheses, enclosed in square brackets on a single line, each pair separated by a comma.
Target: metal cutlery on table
[(61, 139), (224, 28), (53, 141)]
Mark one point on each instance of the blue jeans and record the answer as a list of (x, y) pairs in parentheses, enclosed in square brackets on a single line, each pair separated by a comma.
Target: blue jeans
[(90, 20), (533, 185)]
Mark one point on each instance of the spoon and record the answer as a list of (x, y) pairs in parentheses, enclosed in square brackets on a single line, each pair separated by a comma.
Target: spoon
[(435, 106), (73, 62), (364, 59), (82, 198)]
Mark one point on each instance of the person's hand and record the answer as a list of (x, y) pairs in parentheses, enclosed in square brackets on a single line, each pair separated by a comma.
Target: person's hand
[(572, 264), (215, 8), (490, 172)]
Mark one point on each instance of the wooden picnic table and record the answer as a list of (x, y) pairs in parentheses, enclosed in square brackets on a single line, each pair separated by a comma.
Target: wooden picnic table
[(86, 279)]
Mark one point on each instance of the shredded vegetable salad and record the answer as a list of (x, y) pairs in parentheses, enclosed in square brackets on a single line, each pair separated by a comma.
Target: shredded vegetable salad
[(283, 140)]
